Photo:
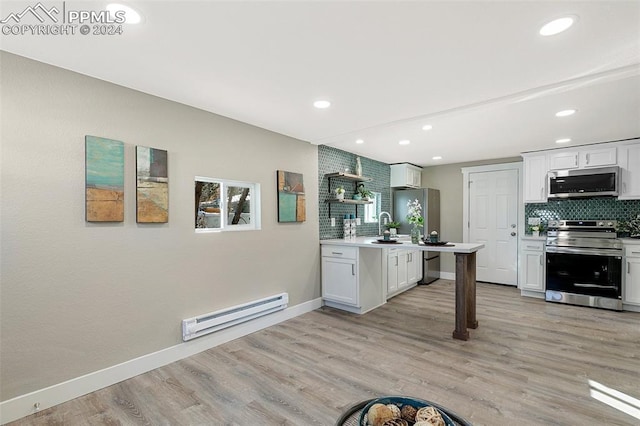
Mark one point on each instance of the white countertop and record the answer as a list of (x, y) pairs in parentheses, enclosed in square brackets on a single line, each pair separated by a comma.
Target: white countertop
[(371, 242), (630, 240)]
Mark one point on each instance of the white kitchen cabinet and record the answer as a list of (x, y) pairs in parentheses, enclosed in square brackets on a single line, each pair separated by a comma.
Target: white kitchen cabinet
[(413, 266), (406, 176), (598, 157), (629, 161), (352, 278), (396, 270), (535, 178), (403, 270), (631, 293), (563, 160), (532, 265), (340, 280)]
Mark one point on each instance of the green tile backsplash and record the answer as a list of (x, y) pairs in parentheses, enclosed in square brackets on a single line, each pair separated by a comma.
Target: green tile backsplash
[(589, 209), (332, 160)]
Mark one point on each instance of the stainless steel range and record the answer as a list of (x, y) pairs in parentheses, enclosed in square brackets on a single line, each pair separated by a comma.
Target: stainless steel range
[(584, 263)]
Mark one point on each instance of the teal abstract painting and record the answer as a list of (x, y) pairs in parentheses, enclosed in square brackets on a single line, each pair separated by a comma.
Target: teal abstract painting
[(291, 198), (104, 180)]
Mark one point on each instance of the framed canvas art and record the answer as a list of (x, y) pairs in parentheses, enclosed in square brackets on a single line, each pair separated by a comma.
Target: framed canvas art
[(291, 201), (152, 185), (104, 180)]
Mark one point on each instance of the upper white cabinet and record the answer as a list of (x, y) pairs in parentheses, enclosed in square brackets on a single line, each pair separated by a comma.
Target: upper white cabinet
[(599, 157), (535, 178), (563, 160), (630, 170), (406, 176), (583, 159)]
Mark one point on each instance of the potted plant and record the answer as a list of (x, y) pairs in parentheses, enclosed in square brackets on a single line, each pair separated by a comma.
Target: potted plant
[(535, 230), (393, 227), (364, 193), (339, 193), (415, 218), (629, 228)]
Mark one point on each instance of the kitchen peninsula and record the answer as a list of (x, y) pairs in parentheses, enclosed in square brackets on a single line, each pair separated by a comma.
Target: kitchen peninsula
[(355, 276)]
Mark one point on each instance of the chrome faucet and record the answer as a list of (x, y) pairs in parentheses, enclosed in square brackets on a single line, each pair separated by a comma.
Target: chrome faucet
[(380, 221)]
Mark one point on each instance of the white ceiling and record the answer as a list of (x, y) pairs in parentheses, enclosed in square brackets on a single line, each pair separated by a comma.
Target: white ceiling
[(477, 71)]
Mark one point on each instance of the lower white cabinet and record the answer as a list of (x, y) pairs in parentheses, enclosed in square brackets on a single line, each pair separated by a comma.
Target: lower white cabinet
[(631, 294), (532, 265), (352, 278), (340, 280), (413, 266), (402, 269)]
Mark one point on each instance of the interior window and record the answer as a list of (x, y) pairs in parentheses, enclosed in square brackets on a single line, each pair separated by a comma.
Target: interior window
[(222, 205), (372, 211)]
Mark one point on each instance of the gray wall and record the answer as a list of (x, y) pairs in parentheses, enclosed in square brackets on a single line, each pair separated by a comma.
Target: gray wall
[(77, 297), (448, 179)]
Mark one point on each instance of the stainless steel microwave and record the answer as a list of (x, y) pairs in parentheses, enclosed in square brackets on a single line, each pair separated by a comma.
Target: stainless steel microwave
[(582, 183)]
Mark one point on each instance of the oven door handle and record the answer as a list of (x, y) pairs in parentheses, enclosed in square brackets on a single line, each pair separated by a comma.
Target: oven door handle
[(595, 286), (586, 251)]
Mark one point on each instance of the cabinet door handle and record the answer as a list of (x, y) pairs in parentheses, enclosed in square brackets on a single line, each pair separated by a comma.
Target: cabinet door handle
[(628, 267), (353, 269), (541, 264), (624, 187), (588, 158), (336, 252), (396, 260), (533, 247), (541, 192), (635, 252)]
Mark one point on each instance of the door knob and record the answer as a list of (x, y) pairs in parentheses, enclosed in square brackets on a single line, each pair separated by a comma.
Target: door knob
[(513, 234), (513, 225)]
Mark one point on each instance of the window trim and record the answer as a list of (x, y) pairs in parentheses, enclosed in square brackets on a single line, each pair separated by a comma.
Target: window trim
[(254, 205)]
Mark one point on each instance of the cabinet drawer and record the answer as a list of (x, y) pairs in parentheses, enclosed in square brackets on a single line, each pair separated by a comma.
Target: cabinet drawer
[(632, 250), (532, 245), (340, 251)]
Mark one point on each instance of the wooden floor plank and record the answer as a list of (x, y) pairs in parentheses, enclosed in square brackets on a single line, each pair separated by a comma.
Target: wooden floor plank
[(529, 363)]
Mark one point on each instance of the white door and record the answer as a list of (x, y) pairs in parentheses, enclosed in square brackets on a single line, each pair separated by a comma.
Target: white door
[(493, 221)]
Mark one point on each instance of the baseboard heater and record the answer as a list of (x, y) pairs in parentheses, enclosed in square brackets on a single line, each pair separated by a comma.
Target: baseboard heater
[(214, 321)]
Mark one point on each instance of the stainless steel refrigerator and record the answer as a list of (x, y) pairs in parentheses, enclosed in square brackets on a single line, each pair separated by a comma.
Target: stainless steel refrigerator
[(429, 199)]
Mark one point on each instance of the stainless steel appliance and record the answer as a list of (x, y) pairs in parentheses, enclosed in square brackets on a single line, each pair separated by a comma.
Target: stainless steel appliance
[(429, 199), (584, 263), (597, 182)]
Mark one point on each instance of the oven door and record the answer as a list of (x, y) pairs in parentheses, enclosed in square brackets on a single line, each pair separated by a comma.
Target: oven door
[(589, 272)]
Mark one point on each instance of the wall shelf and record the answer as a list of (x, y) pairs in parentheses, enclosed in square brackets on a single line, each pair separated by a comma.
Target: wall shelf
[(346, 176), (336, 201)]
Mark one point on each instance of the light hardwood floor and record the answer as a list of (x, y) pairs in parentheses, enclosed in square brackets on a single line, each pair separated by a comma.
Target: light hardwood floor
[(529, 363)]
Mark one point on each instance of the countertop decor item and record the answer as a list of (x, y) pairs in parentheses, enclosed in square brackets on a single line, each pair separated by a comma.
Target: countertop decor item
[(339, 193), (414, 217), (630, 227)]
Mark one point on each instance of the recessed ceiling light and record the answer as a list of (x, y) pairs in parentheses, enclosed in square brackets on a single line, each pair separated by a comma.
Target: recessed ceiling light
[(404, 142), (427, 127), (557, 26), (322, 104), (359, 141), (564, 140), (565, 113), (130, 15), (437, 157)]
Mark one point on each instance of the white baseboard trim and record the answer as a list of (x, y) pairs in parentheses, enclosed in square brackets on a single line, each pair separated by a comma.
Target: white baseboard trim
[(448, 275), (24, 405)]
